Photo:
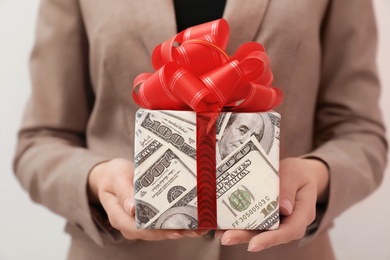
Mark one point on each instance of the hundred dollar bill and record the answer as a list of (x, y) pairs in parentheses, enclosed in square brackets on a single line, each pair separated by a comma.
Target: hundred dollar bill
[(247, 189), (274, 139), (188, 117), (138, 115), (181, 215), (221, 123), (159, 185), (145, 144), (232, 129), (154, 128)]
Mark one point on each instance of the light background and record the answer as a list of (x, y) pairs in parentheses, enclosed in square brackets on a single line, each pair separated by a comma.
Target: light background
[(29, 231)]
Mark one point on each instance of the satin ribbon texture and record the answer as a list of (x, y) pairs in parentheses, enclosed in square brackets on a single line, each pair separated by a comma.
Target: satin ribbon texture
[(193, 72)]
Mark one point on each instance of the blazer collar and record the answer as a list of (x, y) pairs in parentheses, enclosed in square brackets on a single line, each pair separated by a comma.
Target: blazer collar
[(245, 18), (157, 22)]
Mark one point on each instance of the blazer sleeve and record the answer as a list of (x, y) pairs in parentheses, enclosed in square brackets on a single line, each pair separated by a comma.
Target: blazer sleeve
[(350, 134), (52, 162)]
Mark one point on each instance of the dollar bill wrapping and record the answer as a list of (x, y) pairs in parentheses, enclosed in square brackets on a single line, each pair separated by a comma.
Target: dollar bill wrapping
[(195, 166), (247, 160)]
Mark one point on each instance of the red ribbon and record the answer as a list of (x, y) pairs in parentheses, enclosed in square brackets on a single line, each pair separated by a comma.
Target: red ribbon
[(193, 72)]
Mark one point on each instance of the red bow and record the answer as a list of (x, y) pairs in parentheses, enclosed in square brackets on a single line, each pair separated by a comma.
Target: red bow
[(193, 72)]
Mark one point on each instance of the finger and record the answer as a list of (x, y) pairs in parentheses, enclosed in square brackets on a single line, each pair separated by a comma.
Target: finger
[(116, 215), (155, 234), (122, 184), (193, 233), (121, 221), (289, 184), (235, 237), (218, 234), (293, 226)]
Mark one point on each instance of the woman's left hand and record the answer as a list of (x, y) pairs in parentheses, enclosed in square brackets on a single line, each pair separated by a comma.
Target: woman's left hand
[(303, 183)]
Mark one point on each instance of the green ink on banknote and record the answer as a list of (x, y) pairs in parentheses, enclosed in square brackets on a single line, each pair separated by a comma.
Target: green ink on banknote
[(240, 200)]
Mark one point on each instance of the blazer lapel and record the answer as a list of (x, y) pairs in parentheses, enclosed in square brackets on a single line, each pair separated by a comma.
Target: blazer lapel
[(244, 18), (156, 21)]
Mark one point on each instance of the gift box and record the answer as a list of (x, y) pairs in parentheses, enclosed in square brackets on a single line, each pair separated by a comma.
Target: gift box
[(206, 140), (246, 173)]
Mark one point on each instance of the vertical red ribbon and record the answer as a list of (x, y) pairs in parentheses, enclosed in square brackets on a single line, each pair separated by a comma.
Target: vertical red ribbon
[(206, 173)]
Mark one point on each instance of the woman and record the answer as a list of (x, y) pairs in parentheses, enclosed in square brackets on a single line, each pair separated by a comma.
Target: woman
[(76, 142)]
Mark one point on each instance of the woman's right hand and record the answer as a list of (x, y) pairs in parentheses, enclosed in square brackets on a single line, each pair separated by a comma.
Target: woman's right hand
[(111, 184)]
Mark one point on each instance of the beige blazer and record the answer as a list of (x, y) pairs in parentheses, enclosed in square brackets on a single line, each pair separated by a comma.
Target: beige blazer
[(87, 53)]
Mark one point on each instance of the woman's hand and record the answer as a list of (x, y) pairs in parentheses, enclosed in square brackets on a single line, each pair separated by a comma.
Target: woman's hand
[(303, 183), (111, 184)]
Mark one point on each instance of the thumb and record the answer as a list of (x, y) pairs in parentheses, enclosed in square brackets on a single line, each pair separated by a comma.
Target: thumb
[(288, 186), (129, 206), (286, 206), (124, 188)]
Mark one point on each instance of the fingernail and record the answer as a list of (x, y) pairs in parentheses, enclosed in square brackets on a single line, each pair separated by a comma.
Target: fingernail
[(187, 233), (202, 232), (174, 236), (196, 233), (129, 206), (218, 234), (255, 248), (286, 204), (229, 241)]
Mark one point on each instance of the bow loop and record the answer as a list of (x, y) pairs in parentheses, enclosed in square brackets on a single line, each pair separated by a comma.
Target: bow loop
[(145, 96), (189, 88), (217, 30), (220, 80), (259, 98), (255, 63), (200, 56)]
